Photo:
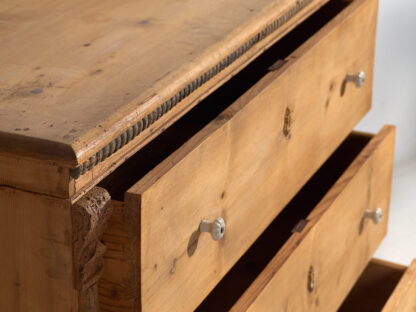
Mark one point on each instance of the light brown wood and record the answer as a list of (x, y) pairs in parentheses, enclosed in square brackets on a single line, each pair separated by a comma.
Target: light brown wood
[(291, 219), (337, 242), (237, 162), (119, 283), (74, 77), (26, 141), (36, 253), (404, 295), (51, 255), (36, 176)]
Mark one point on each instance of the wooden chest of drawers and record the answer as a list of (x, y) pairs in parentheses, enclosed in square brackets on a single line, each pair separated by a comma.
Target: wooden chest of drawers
[(179, 156)]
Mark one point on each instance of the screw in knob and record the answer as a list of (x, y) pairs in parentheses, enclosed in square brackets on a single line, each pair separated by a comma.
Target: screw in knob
[(358, 78), (374, 215), (216, 228)]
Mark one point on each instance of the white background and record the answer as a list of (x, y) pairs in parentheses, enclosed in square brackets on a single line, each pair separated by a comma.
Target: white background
[(394, 102)]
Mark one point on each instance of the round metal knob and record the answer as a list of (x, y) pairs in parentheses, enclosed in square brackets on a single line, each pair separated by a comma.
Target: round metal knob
[(374, 215), (358, 78), (216, 228)]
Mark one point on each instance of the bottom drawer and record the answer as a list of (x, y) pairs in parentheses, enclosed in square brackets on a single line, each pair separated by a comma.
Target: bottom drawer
[(383, 286), (309, 258)]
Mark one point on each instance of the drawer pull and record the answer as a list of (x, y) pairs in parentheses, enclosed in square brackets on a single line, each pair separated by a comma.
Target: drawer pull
[(216, 228), (358, 78), (374, 215)]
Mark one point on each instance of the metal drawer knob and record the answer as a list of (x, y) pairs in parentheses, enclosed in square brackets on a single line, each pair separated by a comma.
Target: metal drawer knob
[(374, 215), (358, 78), (216, 228)]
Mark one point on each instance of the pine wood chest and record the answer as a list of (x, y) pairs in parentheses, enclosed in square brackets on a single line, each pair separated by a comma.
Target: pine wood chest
[(191, 155)]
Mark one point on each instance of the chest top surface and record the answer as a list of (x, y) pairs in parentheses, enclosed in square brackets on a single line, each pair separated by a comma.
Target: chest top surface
[(76, 74)]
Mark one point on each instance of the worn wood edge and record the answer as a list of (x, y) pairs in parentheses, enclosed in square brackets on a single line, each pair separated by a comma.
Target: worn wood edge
[(343, 16), (42, 177), (161, 109), (89, 218), (231, 111), (80, 186), (313, 218), (12, 145), (403, 287)]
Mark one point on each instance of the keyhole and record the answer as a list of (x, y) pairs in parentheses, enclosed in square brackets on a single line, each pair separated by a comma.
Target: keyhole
[(311, 279)]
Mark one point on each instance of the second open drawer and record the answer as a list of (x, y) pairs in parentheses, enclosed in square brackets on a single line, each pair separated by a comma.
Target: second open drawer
[(315, 250), (266, 133)]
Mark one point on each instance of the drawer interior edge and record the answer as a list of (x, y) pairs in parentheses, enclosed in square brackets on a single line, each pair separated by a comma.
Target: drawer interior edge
[(374, 287)]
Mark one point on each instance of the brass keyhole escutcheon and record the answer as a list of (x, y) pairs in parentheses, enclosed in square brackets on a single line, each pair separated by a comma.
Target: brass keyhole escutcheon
[(287, 123), (311, 279)]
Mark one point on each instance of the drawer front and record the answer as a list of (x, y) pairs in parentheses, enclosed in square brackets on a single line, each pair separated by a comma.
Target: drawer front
[(246, 165), (319, 264), (383, 286)]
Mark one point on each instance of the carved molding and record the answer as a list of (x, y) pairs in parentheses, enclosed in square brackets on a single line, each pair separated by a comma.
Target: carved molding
[(89, 219), (144, 123)]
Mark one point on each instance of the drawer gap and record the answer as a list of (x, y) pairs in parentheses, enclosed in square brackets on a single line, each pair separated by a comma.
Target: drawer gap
[(252, 263), (211, 107)]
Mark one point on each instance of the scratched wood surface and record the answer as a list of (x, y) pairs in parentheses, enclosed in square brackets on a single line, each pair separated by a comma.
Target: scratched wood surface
[(75, 74), (51, 253), (36, 253), (235, 164)]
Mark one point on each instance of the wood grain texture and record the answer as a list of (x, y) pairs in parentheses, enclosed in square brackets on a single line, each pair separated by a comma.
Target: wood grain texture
[(120, 283), (235, 164), (36, 176), (36, 253), (89, 219), (404, 296), (90, 75), (336, 241)]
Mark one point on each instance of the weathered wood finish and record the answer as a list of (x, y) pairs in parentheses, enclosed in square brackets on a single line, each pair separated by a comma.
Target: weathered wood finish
[(92, 78), (337, 241), (89, 219), (51, 255), (383, 286), (25, 139), (236, 164), (37, 176), (120, 283), (36, 253)]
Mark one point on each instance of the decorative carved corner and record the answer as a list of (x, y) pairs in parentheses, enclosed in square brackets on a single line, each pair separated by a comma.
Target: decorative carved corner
[(89, 219)]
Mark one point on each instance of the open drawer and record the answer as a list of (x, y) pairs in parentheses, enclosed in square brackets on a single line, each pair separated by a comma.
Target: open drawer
[(240, 155), (309, 258), (383, 286)]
